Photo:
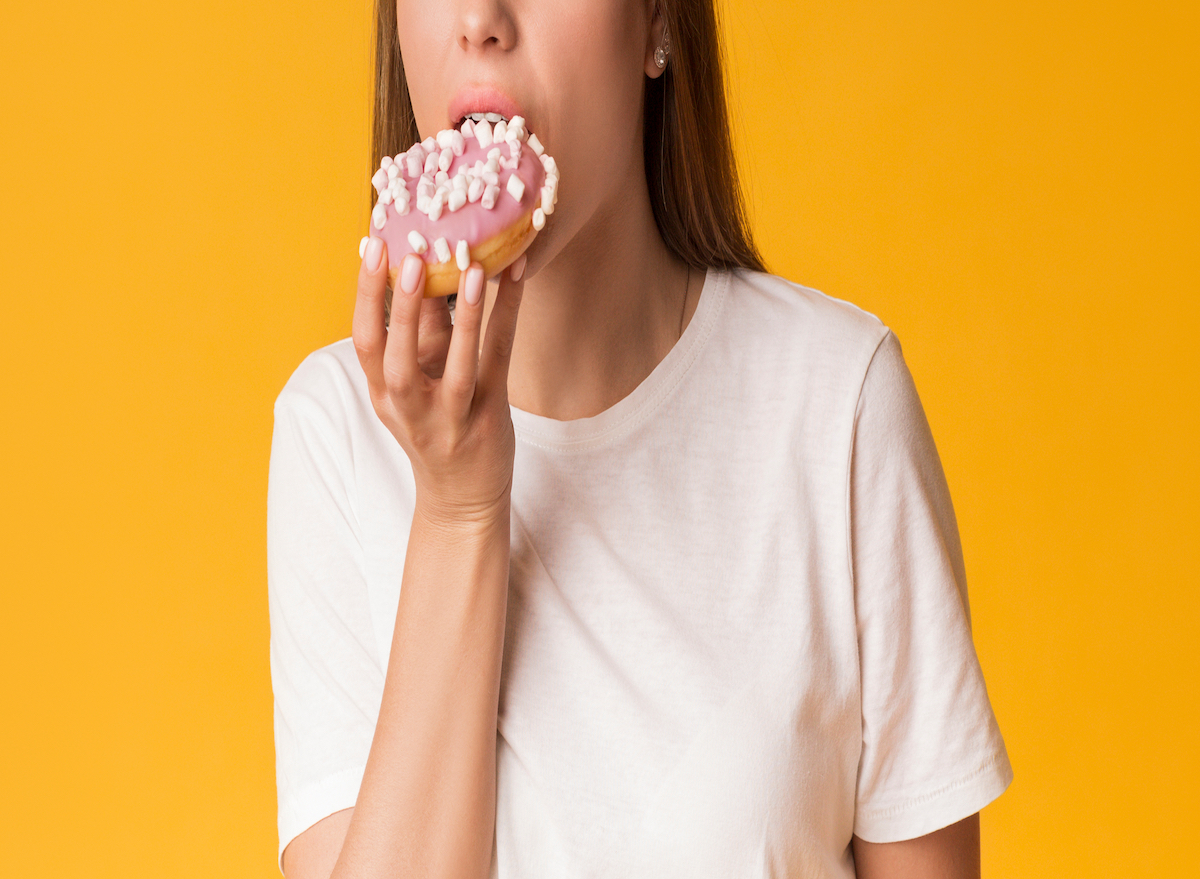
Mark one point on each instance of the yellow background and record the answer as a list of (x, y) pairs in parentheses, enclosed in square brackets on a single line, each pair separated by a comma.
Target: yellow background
[(1012, 186)]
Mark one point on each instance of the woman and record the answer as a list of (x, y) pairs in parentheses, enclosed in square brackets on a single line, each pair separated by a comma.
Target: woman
[(663, 579)]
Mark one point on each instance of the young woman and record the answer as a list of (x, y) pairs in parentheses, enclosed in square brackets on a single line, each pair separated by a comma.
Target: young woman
[(661, 579)]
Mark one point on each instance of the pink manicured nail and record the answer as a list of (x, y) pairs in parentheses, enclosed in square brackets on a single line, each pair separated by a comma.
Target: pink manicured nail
[(474, 284), (410, 273), (518, 268), (374, 251)]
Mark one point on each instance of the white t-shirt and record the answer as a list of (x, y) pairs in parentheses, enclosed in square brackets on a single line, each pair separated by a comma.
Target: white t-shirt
[(737, 624)]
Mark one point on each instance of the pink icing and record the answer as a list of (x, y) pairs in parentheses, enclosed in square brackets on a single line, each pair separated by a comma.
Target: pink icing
[(472, 222)]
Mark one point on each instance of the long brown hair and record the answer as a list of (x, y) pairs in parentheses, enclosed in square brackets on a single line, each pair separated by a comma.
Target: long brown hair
[(690, 167)]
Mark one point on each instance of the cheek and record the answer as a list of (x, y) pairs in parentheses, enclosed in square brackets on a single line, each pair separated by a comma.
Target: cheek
[(600, 51), (426, 37), (599, 120)]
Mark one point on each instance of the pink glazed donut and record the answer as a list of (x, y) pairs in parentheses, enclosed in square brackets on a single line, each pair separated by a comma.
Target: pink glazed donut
[(477, 193)]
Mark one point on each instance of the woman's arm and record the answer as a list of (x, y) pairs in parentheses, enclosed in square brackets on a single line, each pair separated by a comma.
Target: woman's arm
[(426, 805), (949, 853), (427, 802)]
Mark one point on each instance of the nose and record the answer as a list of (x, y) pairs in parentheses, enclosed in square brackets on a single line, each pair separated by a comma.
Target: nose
[(484, 24)]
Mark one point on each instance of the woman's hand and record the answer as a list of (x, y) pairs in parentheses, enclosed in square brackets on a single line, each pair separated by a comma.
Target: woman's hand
[(442, 396)]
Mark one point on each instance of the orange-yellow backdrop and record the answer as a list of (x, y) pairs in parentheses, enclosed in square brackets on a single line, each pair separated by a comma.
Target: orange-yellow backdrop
[(1012, 186)]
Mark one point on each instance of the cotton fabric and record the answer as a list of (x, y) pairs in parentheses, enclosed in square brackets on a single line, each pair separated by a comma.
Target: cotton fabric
[(738, 629)]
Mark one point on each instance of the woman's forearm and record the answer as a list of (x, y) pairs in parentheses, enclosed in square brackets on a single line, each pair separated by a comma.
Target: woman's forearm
[(427, 804)]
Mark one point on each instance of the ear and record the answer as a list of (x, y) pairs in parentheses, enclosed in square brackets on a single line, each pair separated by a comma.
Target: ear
[(655, 35)]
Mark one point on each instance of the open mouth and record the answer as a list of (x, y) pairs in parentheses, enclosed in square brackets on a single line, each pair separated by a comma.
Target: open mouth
[(490, 118)]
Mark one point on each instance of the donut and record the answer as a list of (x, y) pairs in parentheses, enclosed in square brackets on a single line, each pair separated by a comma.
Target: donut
[(480, 192)]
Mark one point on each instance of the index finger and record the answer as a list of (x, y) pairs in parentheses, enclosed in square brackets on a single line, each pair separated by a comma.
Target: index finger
[(369, 332)]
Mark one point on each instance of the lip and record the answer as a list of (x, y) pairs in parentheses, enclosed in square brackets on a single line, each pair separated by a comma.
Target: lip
[(484, 98)]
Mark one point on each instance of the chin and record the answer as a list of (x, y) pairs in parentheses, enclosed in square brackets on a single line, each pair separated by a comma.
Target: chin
[(548, 244)]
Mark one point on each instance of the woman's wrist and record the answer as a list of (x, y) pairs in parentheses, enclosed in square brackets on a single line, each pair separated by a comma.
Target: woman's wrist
[(462, 521)]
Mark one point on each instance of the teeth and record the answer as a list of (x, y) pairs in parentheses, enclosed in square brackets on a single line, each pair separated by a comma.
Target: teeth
[(493, 118)]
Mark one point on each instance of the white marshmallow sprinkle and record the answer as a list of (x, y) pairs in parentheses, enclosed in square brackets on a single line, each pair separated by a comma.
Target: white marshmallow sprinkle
[(539, 219), (483, 134), (515, 187), (417, 240), (462, 256), (442, 248)]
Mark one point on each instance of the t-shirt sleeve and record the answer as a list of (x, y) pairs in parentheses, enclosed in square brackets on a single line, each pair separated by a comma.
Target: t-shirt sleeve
[(932, 753), (325, 672)]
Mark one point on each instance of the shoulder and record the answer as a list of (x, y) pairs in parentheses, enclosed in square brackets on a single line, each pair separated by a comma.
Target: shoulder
[(800, 329), (328, 383)]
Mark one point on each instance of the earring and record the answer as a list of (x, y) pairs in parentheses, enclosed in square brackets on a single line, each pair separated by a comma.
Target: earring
[(660, 54)]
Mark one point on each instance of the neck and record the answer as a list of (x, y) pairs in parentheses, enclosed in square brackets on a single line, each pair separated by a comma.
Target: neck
[(599, 318)]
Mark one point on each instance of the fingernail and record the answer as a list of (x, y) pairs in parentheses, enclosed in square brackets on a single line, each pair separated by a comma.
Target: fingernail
[(374, 251), (474, 284), (518, 268), (410, 273)]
